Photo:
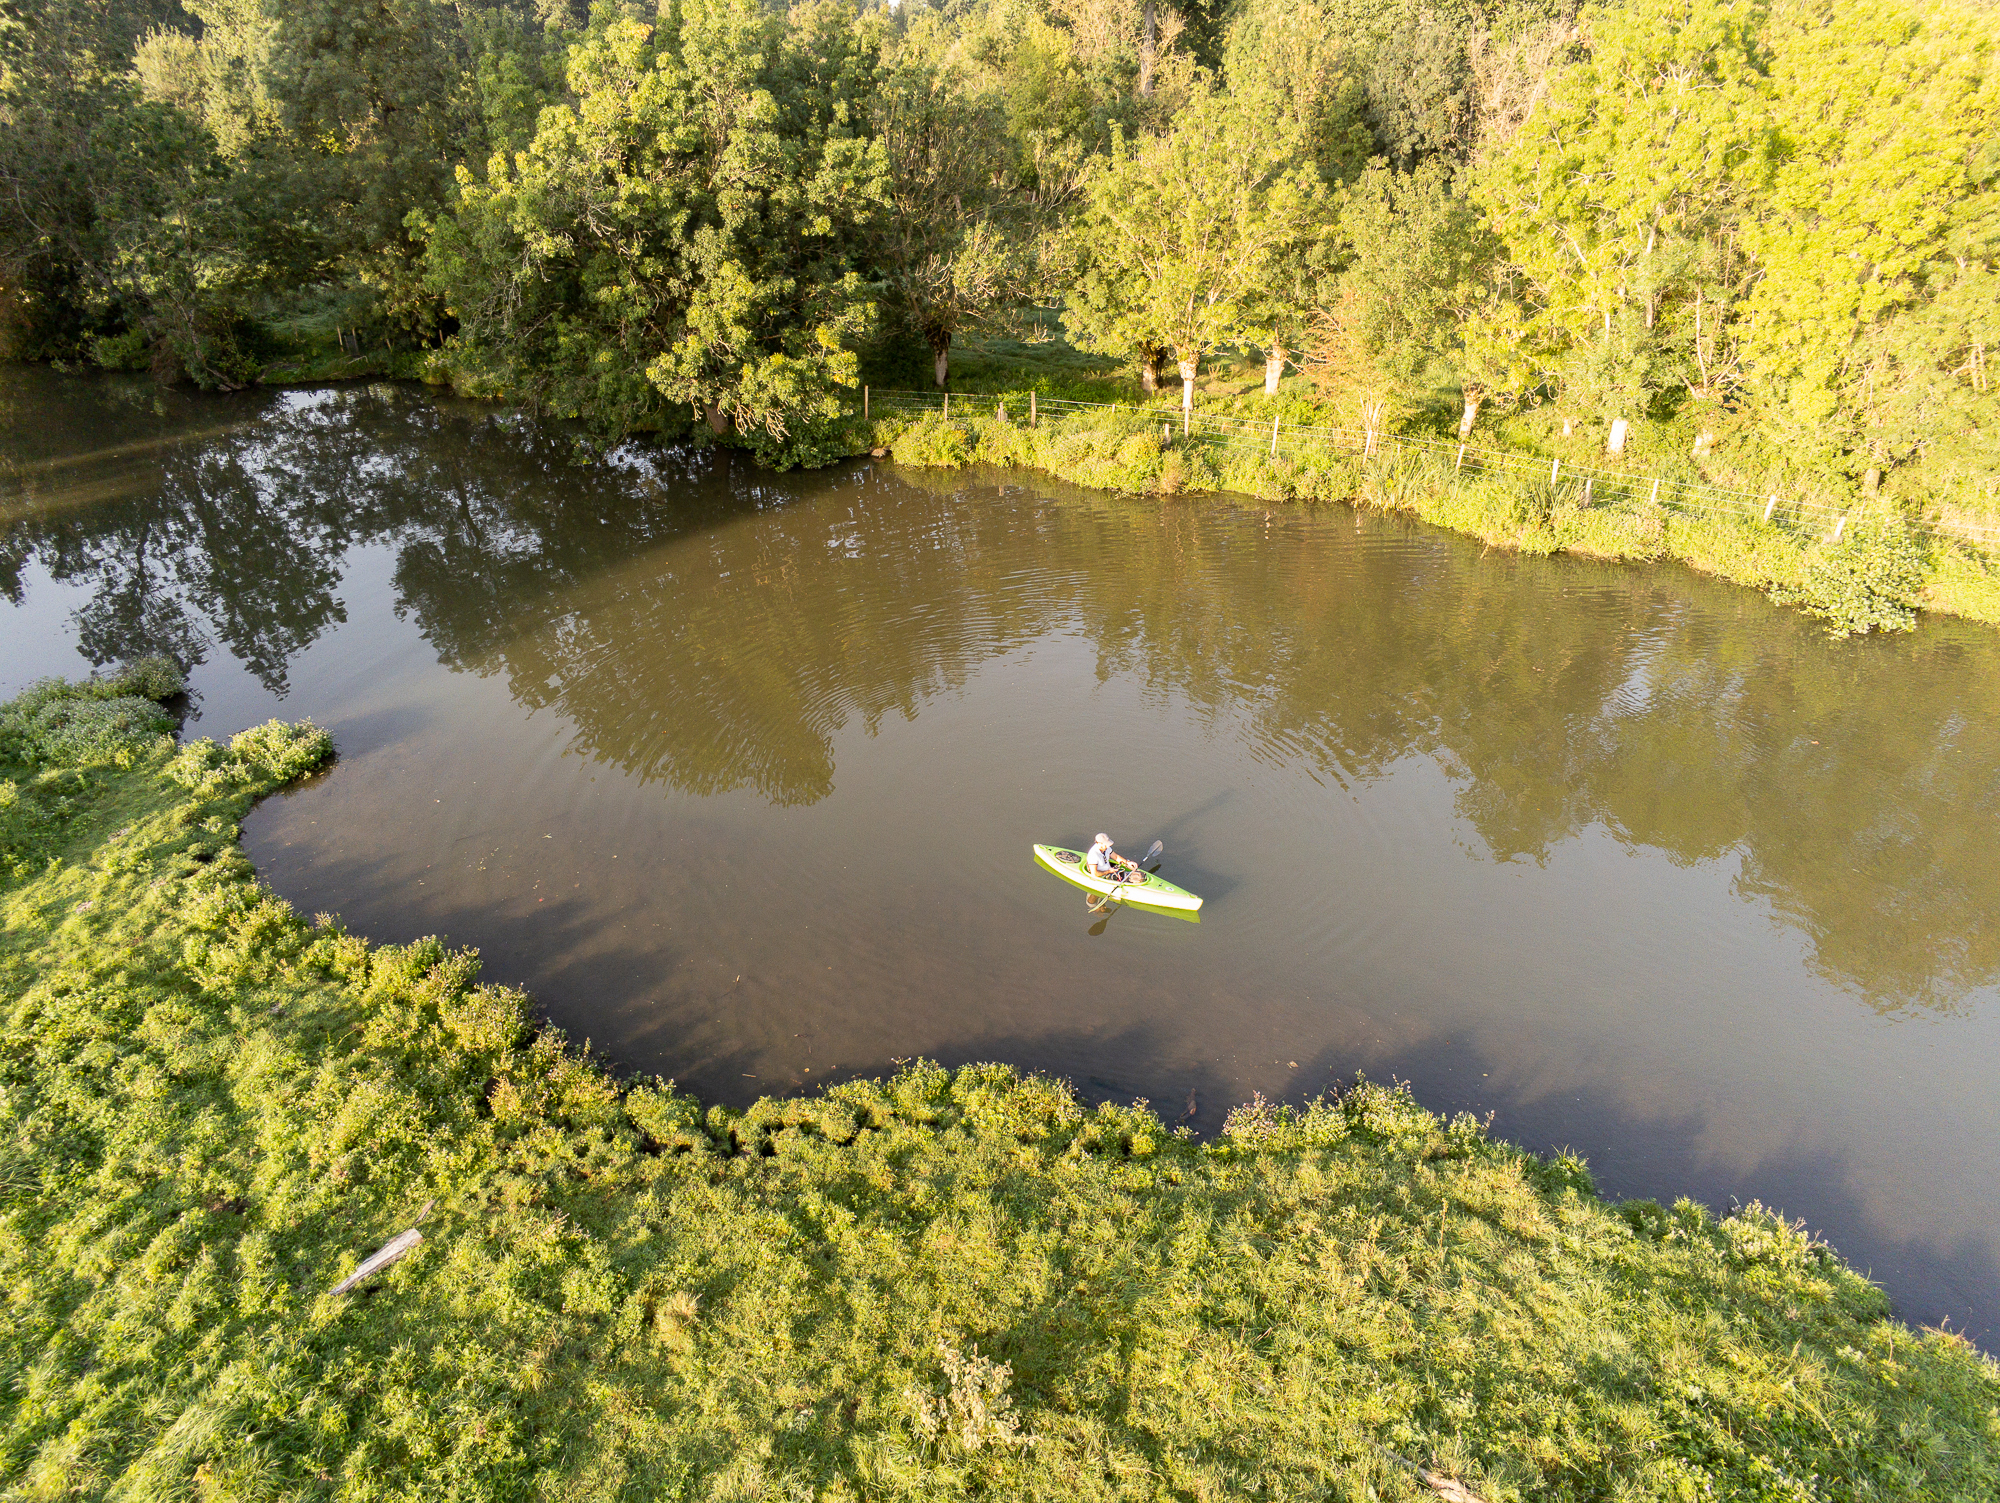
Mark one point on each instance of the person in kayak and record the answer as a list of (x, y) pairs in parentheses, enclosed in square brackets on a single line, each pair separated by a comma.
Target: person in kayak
[(1101, 861)]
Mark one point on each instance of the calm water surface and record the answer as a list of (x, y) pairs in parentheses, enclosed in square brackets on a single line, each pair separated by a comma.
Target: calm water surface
[(737, 772)]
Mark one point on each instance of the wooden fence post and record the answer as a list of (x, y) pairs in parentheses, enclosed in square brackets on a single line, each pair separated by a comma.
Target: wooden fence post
[(1838, 528), (1274, 435), (1588, 482), (1654, 498), (1184, 422), (864, 404), (1769, 507), (1031, 409), (1458, 463), (947, 407), (1555, 469)]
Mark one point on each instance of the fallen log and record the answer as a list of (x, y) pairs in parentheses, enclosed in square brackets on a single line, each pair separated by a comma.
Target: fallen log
[(396, 1247), (1448, 1488)]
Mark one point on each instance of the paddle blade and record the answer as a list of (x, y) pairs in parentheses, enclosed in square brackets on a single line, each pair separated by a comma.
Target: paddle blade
[(1158, 846)]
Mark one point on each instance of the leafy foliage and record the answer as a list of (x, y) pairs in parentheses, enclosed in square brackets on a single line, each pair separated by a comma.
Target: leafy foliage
[(953, 241), (1762, 236), (61, 722), (1872, 579), (1181, 231), (678, 237)]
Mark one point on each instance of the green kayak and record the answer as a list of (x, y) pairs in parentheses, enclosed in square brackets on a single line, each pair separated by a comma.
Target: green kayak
[(1146, 889)]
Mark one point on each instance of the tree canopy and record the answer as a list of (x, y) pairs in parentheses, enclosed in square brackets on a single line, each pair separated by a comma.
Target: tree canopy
[(1773, 221)]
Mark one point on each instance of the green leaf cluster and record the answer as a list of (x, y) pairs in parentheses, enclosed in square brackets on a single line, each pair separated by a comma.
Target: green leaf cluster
[(679, 235), (1181, 235)]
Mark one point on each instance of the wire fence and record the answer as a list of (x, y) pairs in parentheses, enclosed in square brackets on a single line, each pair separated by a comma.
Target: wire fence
[(1588, 485)]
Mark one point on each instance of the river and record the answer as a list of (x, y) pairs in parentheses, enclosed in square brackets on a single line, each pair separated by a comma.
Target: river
[(737, 773)]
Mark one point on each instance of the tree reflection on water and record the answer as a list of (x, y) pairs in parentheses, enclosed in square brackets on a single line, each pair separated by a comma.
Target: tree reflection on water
[(696, 629)]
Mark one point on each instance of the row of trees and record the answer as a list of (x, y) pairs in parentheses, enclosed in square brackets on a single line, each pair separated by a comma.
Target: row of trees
[(1769, 215)]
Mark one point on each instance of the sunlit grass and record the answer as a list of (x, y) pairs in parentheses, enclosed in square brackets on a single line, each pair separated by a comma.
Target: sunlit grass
[(1112, 450), (944, 1284)]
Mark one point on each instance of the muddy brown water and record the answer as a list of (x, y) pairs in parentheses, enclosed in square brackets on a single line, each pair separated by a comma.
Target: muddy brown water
[(737, 773)]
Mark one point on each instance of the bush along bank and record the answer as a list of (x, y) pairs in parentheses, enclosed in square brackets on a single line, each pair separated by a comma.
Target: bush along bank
[(1875, 574), (945, 1284)]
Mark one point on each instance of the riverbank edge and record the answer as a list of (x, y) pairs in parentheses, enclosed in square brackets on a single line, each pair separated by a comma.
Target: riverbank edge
[(1877, 576), (214, 1109)]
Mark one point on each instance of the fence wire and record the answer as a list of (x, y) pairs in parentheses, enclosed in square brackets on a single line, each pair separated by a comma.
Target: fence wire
[(1593, 485)]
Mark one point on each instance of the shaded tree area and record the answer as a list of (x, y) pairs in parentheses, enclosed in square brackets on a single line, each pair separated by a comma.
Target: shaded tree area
[(1763, 234)]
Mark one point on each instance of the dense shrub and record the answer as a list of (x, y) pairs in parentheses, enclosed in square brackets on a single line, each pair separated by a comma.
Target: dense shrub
[(58, 721), (1872, 579)]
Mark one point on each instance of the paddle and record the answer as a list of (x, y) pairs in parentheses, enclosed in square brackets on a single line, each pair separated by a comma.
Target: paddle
[(1109, 897)]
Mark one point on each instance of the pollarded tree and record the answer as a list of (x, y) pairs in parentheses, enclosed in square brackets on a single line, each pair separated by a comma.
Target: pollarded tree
[(1420, 265), (1180, 233), (683, 234), (1289, 65)]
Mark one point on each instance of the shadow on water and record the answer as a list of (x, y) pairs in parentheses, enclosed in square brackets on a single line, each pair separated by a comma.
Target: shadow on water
[(740, 654), (1857, 785)]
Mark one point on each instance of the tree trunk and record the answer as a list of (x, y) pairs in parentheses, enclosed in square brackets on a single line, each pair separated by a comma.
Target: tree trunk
[(1149, 31), (717, 421), (941, 358), (1616, 443), (1871, 482), (1149, 370), (1468, 418), (1188, 368), (1274, 367)]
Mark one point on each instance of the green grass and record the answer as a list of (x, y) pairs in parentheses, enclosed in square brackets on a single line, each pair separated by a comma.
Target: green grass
[(947, 1284), (1876, 577)]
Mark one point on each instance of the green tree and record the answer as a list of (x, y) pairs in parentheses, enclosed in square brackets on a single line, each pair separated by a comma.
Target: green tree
[(1877, 229), (1617, 198), (682, 234), (1420, 261), (1292, 63), (1288, 64), (114, 220), (952, 244), (1180, 232)]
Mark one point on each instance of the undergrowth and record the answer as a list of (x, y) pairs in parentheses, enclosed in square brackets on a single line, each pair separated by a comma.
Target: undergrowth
[(944, 1284)]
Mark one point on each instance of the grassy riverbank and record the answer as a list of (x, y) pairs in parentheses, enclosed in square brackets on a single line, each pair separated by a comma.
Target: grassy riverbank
[(945, 1284), (1885, 567), (1878, 574)]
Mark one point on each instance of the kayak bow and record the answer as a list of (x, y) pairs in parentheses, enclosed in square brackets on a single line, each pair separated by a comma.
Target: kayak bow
[(1150, 890)]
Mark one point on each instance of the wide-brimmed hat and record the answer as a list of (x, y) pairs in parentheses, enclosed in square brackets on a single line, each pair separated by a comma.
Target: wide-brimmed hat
[(1106, 839)]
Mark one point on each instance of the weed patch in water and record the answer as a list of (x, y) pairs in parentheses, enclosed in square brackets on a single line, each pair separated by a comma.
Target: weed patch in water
[(945, 1284)]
